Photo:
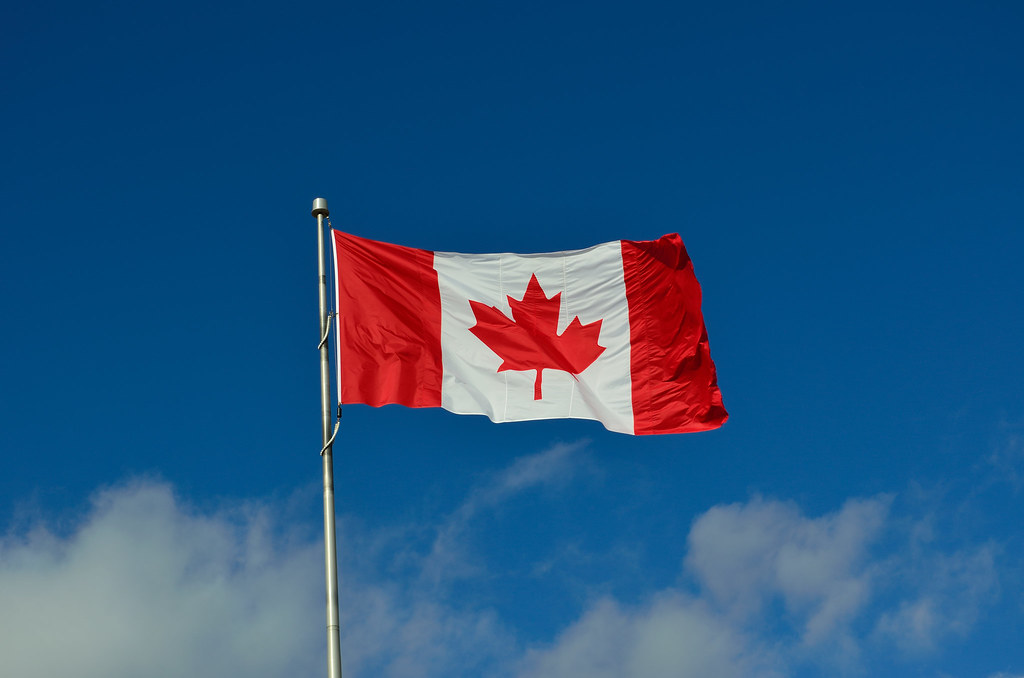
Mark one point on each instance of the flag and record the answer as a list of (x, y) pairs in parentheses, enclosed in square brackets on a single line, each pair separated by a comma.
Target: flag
[(613, 332)]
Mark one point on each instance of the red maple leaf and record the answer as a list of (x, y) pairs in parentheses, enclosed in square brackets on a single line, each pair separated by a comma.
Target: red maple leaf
[(530, 340)]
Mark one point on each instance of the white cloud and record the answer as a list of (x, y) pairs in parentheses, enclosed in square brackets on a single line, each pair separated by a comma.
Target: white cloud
[(147, 587), (747, 555), (674, 635)]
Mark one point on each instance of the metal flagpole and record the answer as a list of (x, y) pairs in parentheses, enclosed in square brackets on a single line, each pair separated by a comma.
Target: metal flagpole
[(330, 543)]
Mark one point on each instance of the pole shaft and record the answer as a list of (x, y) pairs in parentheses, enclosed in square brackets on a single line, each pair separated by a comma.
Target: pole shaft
[(330, 543)]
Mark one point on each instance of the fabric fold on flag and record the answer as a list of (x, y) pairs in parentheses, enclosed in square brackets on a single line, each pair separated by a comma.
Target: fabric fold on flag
[(612, 333)]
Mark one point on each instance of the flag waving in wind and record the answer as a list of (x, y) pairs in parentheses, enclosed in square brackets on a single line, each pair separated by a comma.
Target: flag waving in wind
[(613, 332)]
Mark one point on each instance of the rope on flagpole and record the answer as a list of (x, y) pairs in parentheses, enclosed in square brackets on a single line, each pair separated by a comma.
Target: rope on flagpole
[(327, 332), (337, 425)]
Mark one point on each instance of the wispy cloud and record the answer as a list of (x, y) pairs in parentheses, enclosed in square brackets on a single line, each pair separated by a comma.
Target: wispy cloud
[(946, 595), (410, 625), (1007, 456), (553, 467)]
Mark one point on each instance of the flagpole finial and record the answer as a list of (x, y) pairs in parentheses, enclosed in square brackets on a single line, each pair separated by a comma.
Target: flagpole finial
[(320, 207)]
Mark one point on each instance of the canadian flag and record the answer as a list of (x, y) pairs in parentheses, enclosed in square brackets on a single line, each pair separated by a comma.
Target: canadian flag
[(613, 332)]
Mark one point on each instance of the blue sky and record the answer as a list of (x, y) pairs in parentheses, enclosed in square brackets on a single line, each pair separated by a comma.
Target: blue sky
[(847, 179)]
